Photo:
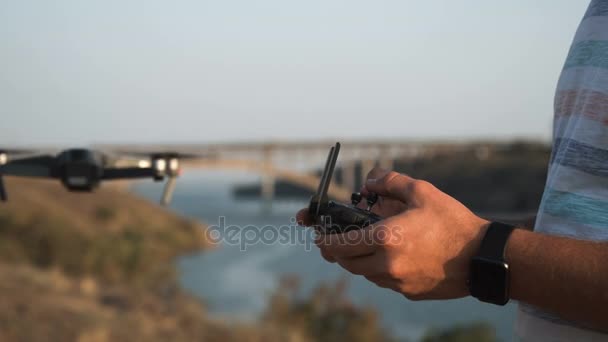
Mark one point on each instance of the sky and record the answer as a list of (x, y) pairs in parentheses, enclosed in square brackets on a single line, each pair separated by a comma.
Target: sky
[(80, 72)]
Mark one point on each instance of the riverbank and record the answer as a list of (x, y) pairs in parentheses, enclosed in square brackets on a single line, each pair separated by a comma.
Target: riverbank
[(489, 177), (93, 267), (101, 267)]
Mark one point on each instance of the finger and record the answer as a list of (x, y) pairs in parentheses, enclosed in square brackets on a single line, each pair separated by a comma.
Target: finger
[(383, 281), (303, 218), (353, 243), (375, 173), (394, 185), (363, 203), (371, 265), (376, 209), (327, 256), (364, 192)]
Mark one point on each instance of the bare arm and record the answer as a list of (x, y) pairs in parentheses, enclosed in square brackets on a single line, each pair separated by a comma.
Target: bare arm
[(424, 246), (565, 276)]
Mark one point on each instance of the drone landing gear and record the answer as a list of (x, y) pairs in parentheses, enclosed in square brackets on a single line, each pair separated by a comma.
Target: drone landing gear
[(168, 192), (3, 196)]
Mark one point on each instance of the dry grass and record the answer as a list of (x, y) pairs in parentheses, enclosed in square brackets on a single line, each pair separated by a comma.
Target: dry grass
[(111, 235), (99, 267)]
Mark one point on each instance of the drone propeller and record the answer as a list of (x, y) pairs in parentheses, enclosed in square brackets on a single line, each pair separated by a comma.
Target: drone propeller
[(162, 154), (6, 154), (168, 191), (17, 151)]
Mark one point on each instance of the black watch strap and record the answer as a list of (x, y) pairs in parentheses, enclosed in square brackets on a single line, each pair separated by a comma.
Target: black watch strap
[(494, 242), (490, 276)]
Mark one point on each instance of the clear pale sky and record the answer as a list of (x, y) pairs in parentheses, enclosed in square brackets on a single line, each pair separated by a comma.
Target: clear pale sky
[(78, 72)]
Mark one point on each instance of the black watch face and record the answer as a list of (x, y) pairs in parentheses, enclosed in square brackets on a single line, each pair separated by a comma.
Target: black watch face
[(490, 280)]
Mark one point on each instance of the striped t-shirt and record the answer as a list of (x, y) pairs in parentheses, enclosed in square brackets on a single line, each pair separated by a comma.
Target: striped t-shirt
[(575, 201)]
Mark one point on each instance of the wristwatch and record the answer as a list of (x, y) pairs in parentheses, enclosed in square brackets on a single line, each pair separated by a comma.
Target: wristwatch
[(489, 275)]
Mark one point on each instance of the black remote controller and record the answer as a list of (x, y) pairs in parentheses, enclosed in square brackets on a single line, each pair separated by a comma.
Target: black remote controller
[(334, 217)]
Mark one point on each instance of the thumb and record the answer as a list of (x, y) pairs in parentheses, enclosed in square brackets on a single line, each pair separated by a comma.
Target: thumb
[(393, 185)]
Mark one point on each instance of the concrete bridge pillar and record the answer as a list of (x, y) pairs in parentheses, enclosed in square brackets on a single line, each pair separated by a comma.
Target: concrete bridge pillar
[(386, 164), (348, 176), (268, 179), (385, 160), (366, 166), (268, 188)]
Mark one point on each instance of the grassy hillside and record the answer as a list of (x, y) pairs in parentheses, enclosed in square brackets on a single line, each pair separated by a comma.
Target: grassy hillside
[(99, 267), (510, 178), (112, 235)]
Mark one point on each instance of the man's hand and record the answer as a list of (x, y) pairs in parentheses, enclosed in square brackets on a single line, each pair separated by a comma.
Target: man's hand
[(421, 249), (385, 206)]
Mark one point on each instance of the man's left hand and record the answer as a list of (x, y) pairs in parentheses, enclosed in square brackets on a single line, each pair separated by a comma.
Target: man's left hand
[(423, 252)]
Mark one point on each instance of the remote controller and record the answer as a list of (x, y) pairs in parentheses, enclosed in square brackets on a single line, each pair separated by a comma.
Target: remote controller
[(334, 217)]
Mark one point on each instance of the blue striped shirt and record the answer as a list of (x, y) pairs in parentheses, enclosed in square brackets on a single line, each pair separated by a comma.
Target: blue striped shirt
[(575, 201)]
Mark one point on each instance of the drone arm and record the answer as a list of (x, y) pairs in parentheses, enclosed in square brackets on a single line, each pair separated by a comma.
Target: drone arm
[(29, 167), (128, 173)]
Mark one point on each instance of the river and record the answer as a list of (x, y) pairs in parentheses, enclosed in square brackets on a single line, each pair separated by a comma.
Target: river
[(236, 283)]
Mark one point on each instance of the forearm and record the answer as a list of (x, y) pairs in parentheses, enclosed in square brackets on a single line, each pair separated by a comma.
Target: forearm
[(565, 276)]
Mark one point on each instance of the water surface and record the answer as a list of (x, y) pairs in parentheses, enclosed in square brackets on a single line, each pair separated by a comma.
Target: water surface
[(237, 283)]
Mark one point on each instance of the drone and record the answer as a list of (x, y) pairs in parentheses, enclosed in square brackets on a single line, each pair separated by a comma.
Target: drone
[(82, 170)]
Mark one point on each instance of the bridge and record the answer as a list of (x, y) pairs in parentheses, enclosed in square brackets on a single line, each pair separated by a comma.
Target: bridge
[(298, 162)]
